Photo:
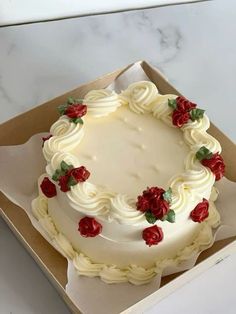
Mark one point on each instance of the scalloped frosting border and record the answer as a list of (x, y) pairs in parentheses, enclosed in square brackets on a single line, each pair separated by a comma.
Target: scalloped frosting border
[(141, 97)]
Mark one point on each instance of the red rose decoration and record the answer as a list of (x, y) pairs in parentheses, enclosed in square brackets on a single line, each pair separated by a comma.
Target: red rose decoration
[(76, 111), (152, 235), (142, 203), (89, 227), (184, 104), (80, 174), (63, 183), (159, 208), (179, 118), (216, 164), (152, 200), (48, 188), (200, 212)]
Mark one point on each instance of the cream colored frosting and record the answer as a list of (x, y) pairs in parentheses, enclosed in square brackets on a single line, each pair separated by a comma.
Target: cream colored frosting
[(132, 273), (124, 157), (102, 102)]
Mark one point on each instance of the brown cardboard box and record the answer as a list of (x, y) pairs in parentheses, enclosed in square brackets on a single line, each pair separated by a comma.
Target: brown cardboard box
[(50, 261)]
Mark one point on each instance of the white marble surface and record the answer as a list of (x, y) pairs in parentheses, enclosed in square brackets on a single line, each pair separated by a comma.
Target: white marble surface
[(192, 44)]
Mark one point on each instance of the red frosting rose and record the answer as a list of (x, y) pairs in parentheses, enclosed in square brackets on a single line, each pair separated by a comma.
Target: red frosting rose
[(216, 164), (142, 203), (152, 200), (184, 104), (179, 117), (89, 227), (152, 235), (80, 174), (200, 212), (48, 188), (76, 111), (159, 208), (63, 183)]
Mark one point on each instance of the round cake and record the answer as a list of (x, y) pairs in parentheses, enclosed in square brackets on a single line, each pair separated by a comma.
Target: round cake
[(129, 183)]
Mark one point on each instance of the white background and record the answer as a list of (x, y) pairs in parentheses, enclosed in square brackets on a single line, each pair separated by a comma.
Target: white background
[(192, 44)]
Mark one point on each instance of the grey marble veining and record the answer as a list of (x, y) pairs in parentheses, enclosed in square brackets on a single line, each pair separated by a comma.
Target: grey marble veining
[(193, 45)]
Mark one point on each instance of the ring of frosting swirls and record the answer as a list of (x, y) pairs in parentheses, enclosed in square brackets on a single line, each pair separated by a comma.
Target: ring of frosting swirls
[(102, 102), (140, 96)]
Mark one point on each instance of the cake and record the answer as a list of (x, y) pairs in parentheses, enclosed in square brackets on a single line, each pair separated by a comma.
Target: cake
[(128, 187)]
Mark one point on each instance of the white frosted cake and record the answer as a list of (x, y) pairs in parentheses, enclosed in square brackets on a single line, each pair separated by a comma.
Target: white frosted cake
[(129, 183)]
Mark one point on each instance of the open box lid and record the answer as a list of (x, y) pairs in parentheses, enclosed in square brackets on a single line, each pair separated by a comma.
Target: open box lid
[(24, 11)]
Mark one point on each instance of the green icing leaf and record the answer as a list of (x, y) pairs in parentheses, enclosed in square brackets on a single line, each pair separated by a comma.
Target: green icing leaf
[(172, 103), (196, 114), (70, 100), (62, 108), (72, 181), (56, 175), (168, 195), (150, 217), (203, 153), (77, 120), (65, 166), (171, 216)]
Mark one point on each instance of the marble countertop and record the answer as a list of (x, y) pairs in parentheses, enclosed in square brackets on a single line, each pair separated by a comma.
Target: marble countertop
[(192, 44)]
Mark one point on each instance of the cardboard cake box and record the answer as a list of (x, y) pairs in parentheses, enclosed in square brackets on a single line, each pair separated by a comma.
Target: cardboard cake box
[(53, 263)]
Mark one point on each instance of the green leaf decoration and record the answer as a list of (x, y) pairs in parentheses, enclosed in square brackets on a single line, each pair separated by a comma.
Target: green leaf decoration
[(196, 114), (61, 172), (57, 175), (150, 217), (203, 153), (171, 216), (72, 181), (65, 166), (168, 195), (172, 103), (70, 100), (77, 120), (62, 108)]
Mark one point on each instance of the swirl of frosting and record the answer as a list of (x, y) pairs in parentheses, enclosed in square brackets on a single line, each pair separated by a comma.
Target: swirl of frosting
[(48, 226), (102, 102), (161, 109), (196, 136), (140, 96), (89, 199), (66, 135), (85, 267), (138, 275), (112, 274), (40, 207), (56, 160), (124, 210), (64, 245)]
